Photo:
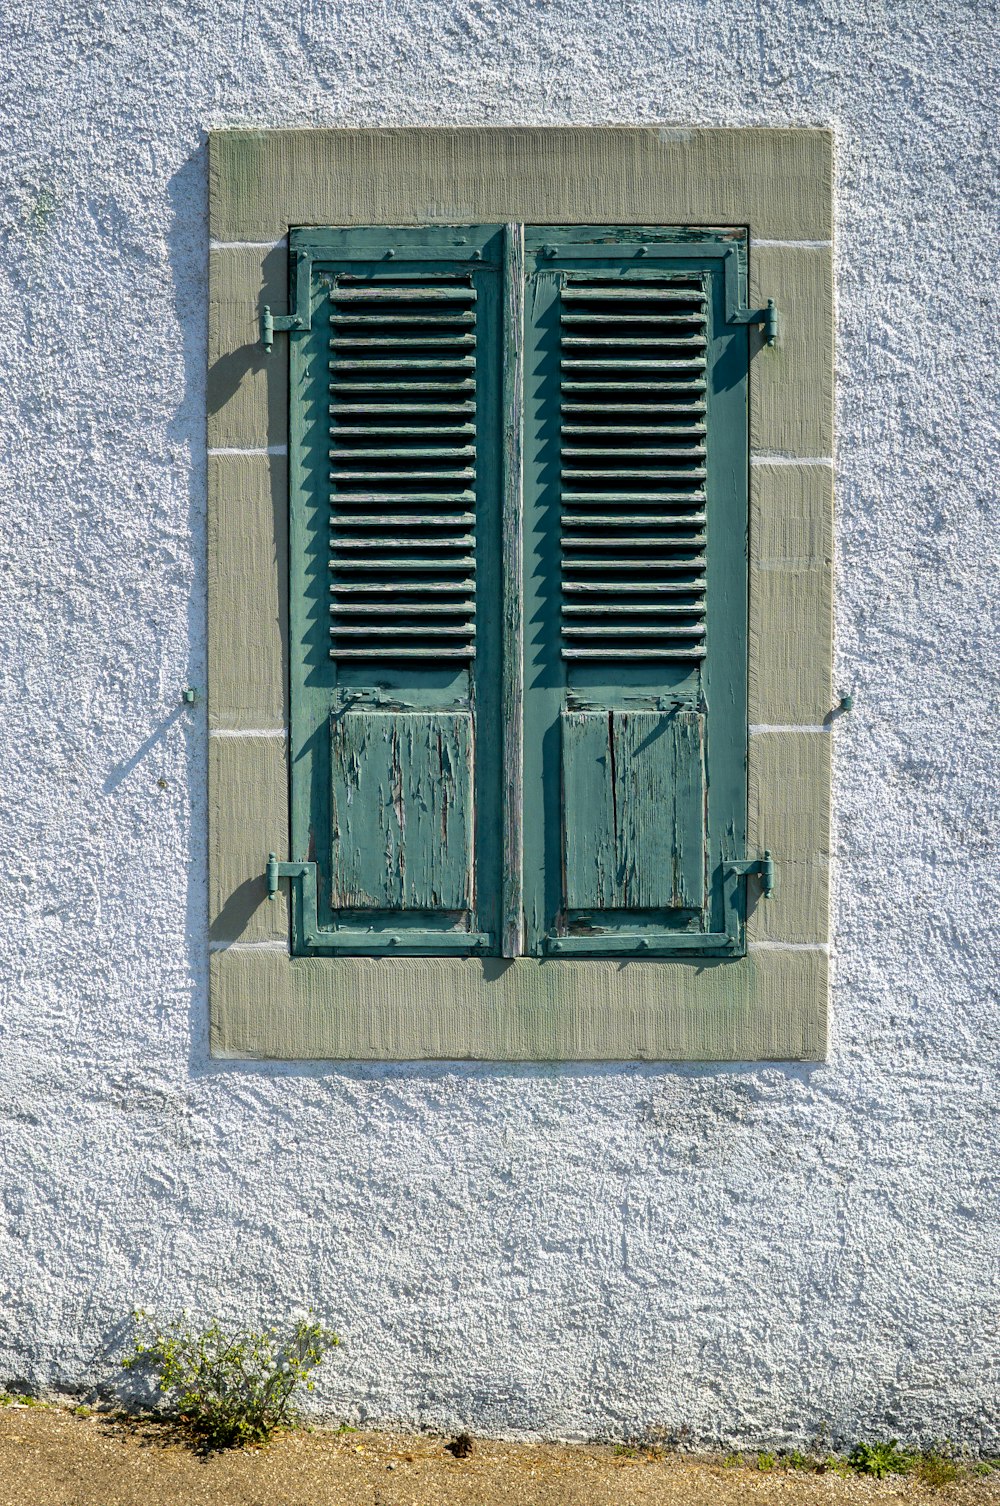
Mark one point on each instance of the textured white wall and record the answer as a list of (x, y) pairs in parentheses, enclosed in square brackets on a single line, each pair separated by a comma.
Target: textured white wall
[(751, 1253)]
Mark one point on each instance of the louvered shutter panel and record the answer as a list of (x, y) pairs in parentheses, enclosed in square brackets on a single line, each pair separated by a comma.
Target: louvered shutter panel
[(394, 587), (636, 508)]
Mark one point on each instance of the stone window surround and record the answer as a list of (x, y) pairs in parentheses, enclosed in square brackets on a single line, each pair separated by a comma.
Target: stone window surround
[(769, 1005)]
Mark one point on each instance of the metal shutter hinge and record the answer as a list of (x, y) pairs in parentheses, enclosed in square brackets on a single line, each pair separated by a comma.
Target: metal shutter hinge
[(276, 871), (737, 312), (300, 318), (764, 867), (767, 318)]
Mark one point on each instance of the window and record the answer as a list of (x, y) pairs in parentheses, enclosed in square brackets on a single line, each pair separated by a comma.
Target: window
[(465, 398), (544, 717)]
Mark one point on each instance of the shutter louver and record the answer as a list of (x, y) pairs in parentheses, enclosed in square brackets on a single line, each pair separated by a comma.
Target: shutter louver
[(403, 468), (632, 367)]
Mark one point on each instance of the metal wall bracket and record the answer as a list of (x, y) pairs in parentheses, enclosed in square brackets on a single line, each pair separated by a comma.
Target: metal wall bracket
[(300, 318), (764, 867)]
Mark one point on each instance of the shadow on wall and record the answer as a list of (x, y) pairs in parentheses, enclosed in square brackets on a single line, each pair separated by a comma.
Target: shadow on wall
[(187, 250), (122, 770)]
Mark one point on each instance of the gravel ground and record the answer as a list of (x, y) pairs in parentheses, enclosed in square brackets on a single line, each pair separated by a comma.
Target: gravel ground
[(48, 1457)]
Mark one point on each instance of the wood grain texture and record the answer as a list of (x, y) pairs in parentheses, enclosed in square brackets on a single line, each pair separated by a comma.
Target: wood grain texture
[(247, 388), (770, 1005), (791, 383), (791, 594), (512, 587), (401, 810), (789, 813), (247, 819), (634, 810), (247, 591), (779, 182)]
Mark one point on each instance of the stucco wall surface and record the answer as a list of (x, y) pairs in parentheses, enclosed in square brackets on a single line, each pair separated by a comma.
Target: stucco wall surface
[(745, 1253)]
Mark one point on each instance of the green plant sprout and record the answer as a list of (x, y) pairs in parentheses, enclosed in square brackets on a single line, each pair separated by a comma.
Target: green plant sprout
[(230, 1389)]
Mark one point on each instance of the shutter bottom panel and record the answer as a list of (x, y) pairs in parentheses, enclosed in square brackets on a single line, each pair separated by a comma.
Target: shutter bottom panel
[(633, 811), (401, 811)]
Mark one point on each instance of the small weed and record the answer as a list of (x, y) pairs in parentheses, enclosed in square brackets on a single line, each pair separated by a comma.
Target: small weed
[(765, 1463), (230, 1389), (795, 1459), (14, 1399), (986, 1467), (82, 1411), (625, 1451), (936, 1468), (733, 1461), (880, 1459)]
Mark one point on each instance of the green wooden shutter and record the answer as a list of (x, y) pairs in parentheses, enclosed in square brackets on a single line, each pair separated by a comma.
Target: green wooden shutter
[(419, 641), (635, 593), (395, 391)]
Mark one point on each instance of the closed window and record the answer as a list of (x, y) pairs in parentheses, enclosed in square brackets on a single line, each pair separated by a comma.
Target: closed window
[(518, 542)]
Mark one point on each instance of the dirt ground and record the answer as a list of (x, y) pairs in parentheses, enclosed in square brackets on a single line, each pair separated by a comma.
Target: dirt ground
[(48, 1457)]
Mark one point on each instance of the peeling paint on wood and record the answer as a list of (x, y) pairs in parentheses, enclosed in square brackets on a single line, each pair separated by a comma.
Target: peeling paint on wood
[(401, 810), (634, 810)]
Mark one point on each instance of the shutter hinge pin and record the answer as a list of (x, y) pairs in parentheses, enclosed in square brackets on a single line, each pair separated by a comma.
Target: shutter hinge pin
[(763, 867), (767, 318), (269, 323)]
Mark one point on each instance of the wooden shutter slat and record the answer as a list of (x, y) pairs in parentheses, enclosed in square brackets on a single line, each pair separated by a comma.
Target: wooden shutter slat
[(628, 387), (401, 452), (402, 520), (595, 291), (416, 430), (401, 342), (647, 320), (632, 653), (386, 320), (374, 293), (408, 389)]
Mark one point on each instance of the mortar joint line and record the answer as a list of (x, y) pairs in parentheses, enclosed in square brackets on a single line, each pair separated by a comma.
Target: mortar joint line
[(271, 449), (763, 458), (281, 732), (756, 729), (215, 245)]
